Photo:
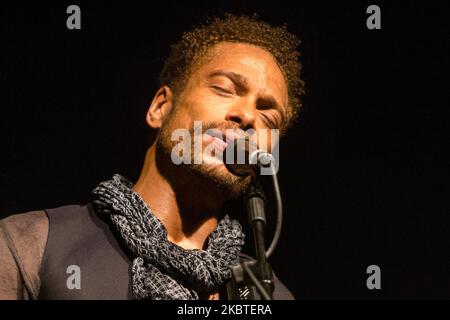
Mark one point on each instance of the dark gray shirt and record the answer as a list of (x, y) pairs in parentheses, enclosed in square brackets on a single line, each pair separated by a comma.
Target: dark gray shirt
[(37, 247)]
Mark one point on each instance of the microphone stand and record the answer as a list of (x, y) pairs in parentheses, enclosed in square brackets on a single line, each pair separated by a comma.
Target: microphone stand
[(250, 277), (258, 274), (255, 203)]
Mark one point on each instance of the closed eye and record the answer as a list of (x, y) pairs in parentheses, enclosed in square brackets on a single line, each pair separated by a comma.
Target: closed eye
[(264, 107), (221, 90)]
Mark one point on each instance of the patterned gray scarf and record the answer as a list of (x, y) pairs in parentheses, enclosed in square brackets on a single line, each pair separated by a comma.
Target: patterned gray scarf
[(161, 269)]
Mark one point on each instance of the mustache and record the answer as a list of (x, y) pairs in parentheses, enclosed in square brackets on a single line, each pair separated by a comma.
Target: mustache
[(220, 126)]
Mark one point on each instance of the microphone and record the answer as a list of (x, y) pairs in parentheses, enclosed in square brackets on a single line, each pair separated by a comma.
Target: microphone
[(242, 158)]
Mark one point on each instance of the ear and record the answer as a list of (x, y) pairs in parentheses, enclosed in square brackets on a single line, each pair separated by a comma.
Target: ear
[(160, 107)]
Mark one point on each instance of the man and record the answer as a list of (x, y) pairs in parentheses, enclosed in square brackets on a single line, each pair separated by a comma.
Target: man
[(167, 236)]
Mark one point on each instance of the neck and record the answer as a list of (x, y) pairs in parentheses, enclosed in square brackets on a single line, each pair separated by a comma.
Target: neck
[(180, 205)]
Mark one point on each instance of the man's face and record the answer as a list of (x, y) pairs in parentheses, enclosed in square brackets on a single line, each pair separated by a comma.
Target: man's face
[(236, 86)]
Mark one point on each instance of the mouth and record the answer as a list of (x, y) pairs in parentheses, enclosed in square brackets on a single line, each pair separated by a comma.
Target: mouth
[(227, 136), (219, 142), (221, 139)]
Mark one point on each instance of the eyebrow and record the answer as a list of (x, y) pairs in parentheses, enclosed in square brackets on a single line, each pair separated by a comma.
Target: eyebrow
[(242, 83), (238, 79)]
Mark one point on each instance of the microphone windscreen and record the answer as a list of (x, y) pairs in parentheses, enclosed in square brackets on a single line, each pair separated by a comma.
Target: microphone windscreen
[(236, 157)]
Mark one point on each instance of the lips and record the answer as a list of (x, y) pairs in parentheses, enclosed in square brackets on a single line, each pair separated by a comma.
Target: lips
[(220, 143), (227, 136)]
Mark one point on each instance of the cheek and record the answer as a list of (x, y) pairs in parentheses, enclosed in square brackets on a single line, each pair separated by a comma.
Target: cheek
[(203, 106), (266, 138), (177, 119)]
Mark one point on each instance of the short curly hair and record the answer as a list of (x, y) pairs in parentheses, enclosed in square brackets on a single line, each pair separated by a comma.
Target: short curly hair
[(193, 45)]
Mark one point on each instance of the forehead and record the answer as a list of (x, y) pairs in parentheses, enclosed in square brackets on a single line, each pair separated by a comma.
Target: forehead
[(254, 63)]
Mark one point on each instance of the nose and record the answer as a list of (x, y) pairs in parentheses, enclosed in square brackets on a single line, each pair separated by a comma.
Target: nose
[(243, 114)]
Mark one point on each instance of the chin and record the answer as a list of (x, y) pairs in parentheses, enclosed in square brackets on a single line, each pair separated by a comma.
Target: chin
[(217, 175)]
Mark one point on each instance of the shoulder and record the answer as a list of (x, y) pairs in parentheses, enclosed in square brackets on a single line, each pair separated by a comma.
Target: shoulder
[(27, 232), (22, 243), (25, 225), (24, 240)]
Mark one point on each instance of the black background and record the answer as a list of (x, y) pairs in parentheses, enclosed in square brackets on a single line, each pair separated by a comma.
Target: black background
[(363, 176)]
